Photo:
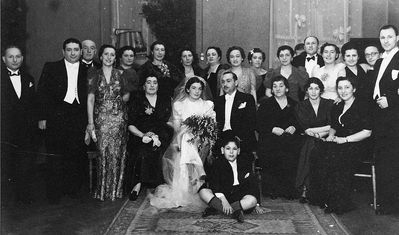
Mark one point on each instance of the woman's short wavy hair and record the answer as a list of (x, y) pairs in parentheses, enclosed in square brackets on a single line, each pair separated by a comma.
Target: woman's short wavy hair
[(314, 80), (232, 49), (283, 48), (256, 50), (336, 48)]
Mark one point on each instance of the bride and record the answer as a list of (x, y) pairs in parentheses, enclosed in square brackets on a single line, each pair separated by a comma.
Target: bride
[(193, 118)]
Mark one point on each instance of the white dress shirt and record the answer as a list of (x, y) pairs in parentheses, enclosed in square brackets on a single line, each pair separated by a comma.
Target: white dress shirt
[(72, 73), (235, 172), (309, 65), (16, 82), (227, 110), (385, 61)]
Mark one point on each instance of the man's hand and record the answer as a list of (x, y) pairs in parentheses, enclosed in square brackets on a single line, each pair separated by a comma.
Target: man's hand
[(291, 130), (277, 131), (227, 209), (382, 102), (42, 124)]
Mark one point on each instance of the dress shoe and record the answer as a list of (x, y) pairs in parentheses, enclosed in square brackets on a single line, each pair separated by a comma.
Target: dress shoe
[(209, 211), (239, 216), (133, 195), (328, 210)]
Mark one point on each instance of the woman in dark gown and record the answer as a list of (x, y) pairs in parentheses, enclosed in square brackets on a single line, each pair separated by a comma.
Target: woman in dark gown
[(108, 92), (313, 115), (279, 143), (332, 167), (168, 75), (256, 57), (213, 57), (148, 117)]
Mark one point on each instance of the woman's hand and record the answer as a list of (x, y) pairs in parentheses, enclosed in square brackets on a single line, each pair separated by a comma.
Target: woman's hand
[(340, 140), (337, 100), (277, 131), (227, 209), (291, 130), (90, 129), (309, 132), (330, 138), (146, 138)]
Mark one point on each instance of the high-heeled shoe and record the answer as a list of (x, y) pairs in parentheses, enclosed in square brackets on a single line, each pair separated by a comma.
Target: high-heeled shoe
[(133, 195)]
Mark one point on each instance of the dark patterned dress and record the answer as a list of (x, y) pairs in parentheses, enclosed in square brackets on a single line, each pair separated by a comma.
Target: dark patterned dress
[(332, 166), (110, 120)]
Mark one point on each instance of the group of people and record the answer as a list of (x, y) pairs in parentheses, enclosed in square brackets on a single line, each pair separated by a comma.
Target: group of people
[(193, 133)]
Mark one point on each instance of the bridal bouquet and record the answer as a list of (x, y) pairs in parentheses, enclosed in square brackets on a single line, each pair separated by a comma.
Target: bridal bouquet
[(203, 128)]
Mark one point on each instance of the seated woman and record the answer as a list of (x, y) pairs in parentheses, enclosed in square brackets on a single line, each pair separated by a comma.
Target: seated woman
[(332, 168), (331, 70), (193, 120), (232, 185), (148, 117), (313, 115), (279, 143), (296, 77)]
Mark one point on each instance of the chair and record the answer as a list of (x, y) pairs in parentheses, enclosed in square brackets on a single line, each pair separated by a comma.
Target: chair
[(370, 163), (91, 155)]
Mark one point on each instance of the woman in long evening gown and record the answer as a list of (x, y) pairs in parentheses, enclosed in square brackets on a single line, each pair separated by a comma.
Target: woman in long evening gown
[(313, 115), (183, 167), (332, 167), (107, 117), (213, 57), (151, 135), (279, 142)]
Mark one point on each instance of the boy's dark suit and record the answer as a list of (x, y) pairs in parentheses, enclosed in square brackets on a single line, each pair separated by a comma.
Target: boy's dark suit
[(65, 130), (17, 128), (386, 134), (222, 179), (242, 121)]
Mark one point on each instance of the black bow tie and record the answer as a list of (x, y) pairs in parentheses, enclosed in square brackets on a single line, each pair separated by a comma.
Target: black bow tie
[(311, 58), (14, 73)]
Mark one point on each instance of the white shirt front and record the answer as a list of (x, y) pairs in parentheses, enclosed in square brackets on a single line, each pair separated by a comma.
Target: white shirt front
[(235, 172), (16, 82), (72, 73), (384, 64), (227, 110), (309, 65)]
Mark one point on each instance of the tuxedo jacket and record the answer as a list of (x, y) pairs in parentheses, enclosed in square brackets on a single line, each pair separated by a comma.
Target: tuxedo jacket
[(52, 88), (17, 114), (386, 121), (221, 178), (242, 119), (299, 60)]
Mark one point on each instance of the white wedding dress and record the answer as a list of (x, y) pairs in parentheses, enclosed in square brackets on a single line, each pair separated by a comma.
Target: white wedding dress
[(182, 164)]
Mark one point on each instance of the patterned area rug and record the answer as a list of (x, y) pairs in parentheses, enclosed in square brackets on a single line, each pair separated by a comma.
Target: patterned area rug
[(281, 217)]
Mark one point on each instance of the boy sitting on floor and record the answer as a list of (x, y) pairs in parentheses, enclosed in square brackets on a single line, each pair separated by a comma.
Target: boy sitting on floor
[(232, 185)]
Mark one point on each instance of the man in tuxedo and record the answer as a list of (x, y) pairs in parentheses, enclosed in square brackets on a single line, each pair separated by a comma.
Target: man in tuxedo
[(236, 111), (17, 123), (232, 184), (309, 58), (386, 121), (89, 51), (62, 93)]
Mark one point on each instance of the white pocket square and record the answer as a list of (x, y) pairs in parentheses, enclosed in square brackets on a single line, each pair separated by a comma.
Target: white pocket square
[(395, 74), (242, 105), (30, 84), (246, 176)]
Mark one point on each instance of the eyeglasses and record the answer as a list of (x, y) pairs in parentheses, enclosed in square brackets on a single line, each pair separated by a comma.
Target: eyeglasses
[(372, 54)]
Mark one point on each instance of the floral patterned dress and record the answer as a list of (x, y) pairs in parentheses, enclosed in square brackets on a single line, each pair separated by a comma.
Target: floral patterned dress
[(110, 120)]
